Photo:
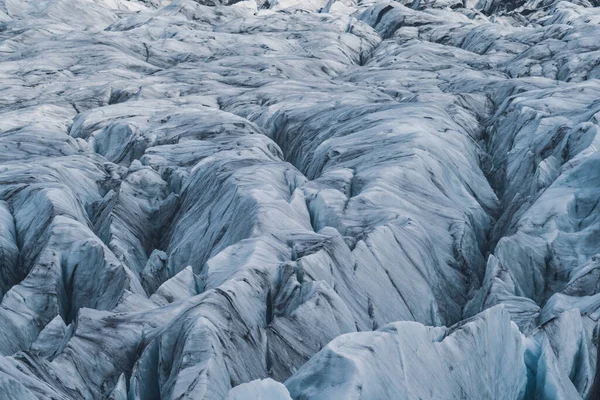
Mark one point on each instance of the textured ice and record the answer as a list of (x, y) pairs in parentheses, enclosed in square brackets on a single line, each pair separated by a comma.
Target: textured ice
[(305, 199)]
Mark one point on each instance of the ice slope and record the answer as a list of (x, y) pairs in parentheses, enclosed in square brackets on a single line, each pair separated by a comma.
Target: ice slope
[(299, 199)]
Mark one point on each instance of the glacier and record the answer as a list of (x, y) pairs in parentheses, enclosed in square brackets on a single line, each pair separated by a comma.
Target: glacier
[(299, 199)]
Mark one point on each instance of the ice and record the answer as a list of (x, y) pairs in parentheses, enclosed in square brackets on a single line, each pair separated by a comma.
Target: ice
[(484, 358), (299, 199), (266, 389)]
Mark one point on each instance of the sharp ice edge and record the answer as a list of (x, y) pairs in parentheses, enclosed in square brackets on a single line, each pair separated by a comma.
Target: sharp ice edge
[(299, 199)]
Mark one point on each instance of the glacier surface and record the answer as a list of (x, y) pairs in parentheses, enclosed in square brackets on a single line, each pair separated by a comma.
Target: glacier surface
[(299, 199)]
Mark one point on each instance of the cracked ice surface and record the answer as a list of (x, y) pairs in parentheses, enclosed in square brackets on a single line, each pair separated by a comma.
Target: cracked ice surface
[(300, 199)]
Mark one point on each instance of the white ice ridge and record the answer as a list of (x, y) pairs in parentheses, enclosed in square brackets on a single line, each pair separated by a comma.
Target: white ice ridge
[(299, 199)]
